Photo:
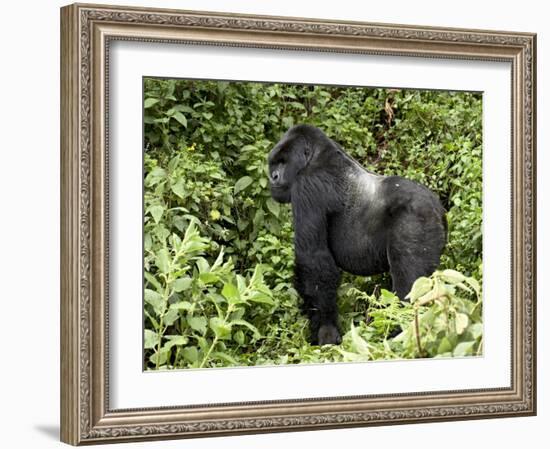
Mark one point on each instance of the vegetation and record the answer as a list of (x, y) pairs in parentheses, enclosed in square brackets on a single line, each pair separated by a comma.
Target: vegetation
[(218, 251)]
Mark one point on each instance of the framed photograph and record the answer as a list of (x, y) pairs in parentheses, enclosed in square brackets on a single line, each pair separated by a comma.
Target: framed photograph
[(278, 224)]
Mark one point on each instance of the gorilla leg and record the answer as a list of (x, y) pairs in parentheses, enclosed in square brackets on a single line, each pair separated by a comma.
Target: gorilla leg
[(317, 279), (316, 276), (413, 251), (403, 273)]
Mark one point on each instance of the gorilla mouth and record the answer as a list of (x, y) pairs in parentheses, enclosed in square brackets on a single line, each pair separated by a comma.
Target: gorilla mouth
[(280, 193)]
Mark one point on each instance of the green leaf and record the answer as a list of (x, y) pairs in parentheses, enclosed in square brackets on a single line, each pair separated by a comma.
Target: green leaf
[(183, 108), (273, 206), (181, 305), (452, 276), (258, 218), (463, 349), (156, 175), (444, 346), (225, 357), (203, 265), (241, 284), (242, 224), (253, 328), (147, 241), (461, 322), (420, 287), (150, 102), (156, 212), (476, 330), (156, 301), (440, 290), (195, 245), (357, 343), (190, 354), (474, 284), (288, 122), (242, 184), (239, 337), (230, 292), (175, 340), (260, 297), (387, 297), (179, 189), (204, 344), (182, 284), (208, 278), (197, 323), (162, 357), (152, 319), (464, 287), (170, 316), (153, 281), (162, 260), (175, 241), (174, 162), (180, 118), (221, 328), (352, 356), (297, 105), (150, 339)]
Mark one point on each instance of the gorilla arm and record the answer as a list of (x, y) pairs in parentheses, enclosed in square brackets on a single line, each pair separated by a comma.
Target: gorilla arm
[(317, 276)]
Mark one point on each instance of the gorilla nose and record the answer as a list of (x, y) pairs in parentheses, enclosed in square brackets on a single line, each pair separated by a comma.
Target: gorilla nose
[(275, 176)]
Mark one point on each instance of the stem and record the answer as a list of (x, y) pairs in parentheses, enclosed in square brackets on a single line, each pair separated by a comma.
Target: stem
[(167, 292), (480, 347), (161, 332), (417, 334), (205, 358)]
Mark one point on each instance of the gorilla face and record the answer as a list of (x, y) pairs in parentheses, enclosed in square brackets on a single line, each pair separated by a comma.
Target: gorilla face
[(285, 162)]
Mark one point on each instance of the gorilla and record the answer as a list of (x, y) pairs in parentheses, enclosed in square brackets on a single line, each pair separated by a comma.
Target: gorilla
[(348, 218)]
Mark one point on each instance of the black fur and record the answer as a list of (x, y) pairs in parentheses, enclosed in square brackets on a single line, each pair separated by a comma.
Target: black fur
[(347, 218)]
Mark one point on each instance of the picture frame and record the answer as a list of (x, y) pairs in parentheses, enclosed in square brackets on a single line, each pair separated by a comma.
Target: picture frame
[(87, 33)]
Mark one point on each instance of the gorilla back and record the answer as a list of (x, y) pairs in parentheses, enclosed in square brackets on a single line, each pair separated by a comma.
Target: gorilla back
[(347, 218)]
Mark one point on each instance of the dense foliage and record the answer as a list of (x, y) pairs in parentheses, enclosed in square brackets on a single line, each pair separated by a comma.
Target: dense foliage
[(218, 251)]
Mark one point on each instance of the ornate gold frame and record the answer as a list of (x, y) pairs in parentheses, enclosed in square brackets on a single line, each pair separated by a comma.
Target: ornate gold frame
[(86, 31)]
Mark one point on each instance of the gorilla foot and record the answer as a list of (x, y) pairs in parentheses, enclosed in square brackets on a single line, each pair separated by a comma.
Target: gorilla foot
[(328, 335)]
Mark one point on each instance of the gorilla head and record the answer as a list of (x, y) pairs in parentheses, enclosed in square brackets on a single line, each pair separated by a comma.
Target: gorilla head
[(288, 159)]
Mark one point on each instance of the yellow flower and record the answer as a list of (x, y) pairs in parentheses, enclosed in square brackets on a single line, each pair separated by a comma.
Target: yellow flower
[(215, 215)]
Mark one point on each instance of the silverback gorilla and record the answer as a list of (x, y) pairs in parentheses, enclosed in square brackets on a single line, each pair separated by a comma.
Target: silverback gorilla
[(347, 218)]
